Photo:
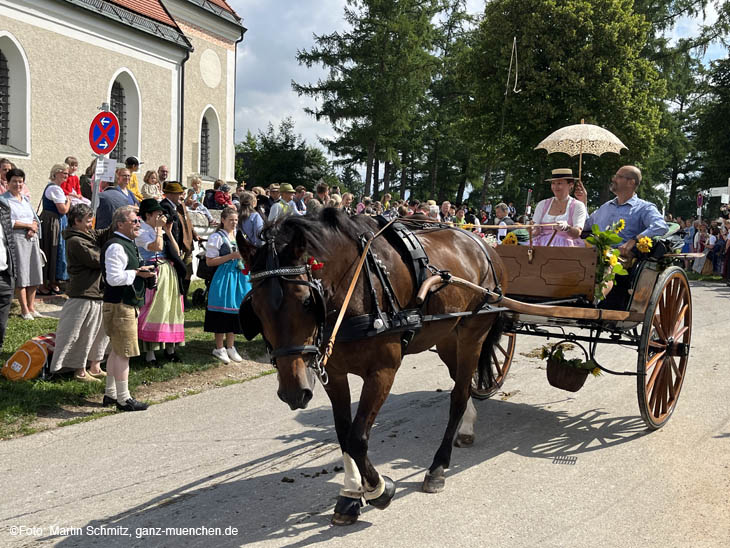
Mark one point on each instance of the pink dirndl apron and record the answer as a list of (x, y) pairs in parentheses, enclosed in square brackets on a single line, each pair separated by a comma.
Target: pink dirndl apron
[(561, 239)]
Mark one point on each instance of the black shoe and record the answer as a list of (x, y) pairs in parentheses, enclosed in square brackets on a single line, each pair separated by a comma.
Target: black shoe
[(108, 401), (174, 358), (132, 405)]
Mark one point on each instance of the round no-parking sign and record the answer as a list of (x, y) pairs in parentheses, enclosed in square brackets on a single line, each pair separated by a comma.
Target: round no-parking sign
[(104, 132)]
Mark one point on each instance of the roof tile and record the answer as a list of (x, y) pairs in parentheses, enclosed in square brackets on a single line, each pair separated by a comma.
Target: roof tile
[(149, 8), (223, 4)]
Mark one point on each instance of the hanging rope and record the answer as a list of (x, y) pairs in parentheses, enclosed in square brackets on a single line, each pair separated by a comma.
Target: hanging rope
[(513, 60)]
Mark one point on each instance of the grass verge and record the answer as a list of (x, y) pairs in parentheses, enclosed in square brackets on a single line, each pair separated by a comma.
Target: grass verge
[(21, 403), (692, 275)]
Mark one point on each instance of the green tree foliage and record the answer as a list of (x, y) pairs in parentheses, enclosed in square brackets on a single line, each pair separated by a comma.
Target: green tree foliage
[(378, 70), (281, 156), (578, 59), (713, 131)]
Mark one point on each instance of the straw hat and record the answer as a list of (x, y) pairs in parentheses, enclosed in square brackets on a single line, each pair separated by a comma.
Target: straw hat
[(561, 173)]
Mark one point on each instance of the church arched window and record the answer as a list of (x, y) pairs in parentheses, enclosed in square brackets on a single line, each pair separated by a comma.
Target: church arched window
[(4, 99), (204, 147), (117, 104), (14, 98), (209, 152), (126, 103)]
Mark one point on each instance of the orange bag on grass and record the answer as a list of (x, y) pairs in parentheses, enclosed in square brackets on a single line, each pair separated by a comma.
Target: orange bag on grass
[(31, 359)]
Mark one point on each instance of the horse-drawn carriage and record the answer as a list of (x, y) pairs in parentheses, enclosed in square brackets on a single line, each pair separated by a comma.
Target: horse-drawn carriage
[(551, 290), (334, 295)]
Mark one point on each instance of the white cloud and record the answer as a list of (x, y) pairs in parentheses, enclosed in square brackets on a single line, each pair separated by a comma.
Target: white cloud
[(267, 62)]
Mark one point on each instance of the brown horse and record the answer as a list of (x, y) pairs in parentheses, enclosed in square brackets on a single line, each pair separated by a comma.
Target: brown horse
[(291, 305)]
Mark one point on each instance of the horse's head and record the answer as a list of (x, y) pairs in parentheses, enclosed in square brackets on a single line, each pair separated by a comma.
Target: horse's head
[(286, 305)]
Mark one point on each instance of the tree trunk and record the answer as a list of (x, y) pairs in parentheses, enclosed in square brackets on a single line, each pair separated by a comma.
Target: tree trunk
[(434, 168), (673, 190), (369, 168), (386, 176), (486, 185), (462, 184), (403, 176), (413, 174), (376, 178)]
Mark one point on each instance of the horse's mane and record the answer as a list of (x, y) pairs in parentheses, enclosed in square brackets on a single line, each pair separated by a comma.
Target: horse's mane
[(319, 234)]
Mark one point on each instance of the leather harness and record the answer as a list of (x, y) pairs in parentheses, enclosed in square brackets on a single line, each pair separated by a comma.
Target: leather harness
[(395, 319)]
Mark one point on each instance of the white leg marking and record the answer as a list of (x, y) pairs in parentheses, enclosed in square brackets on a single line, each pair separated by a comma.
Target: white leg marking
[(466, 428), (352, 486)]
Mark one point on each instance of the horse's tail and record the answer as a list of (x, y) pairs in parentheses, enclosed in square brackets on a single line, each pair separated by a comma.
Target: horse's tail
[(485, 370)]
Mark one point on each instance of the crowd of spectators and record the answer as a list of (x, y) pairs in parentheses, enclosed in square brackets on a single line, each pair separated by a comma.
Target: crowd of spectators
[(129, 263)]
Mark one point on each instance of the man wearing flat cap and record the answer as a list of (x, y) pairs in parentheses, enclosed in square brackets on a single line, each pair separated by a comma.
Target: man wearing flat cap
[(182, 227), (285, 204)]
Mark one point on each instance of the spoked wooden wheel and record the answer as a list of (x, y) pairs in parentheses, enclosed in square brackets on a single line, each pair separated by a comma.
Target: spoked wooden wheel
[(664, 347), (501, 360)]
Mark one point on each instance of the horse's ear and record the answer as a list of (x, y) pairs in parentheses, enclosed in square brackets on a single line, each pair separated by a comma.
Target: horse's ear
[(245, 248)]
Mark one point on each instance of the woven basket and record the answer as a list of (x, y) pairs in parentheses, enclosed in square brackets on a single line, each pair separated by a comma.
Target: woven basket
[(564, 376)]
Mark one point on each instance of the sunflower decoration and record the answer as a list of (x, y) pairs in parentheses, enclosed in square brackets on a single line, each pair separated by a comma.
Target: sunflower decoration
[(644, 244), (609, 266), (510, 239)]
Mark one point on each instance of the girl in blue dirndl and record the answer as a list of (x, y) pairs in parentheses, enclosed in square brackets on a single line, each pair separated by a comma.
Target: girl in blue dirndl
[(227, 288)]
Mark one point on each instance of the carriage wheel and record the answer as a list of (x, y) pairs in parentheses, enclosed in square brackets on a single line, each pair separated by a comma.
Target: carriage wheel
[(501, 360), (664, 347)]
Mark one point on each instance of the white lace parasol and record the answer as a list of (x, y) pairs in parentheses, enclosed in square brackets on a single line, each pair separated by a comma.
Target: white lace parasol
[(582, 139)]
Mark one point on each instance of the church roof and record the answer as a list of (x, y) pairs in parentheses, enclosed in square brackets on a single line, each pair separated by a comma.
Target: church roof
[(148, 16), (149, 8), (220, 8)]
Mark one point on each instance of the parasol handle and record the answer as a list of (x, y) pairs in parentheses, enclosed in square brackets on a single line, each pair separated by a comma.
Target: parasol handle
[(580, 158)]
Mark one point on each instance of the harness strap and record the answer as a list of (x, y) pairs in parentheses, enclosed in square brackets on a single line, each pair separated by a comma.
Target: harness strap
[(292, 350), (331, 343)]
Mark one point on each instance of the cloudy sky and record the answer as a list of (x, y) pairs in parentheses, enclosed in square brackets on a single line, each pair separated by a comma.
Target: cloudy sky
[(267, 60)]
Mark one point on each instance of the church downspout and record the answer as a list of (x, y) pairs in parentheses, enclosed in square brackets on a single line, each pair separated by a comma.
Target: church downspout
[(181, 118), (235, 82)]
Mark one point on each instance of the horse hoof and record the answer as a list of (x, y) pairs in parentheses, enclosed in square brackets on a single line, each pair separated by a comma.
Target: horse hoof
[(383, 501), (433, 484), (347, 511), (464, 440), (343, 519)]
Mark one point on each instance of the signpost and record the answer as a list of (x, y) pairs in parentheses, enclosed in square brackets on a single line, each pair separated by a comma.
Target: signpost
[(104, 133), (723, 192), (103, 137)]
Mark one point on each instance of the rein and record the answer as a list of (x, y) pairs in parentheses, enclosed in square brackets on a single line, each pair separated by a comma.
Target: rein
[(331, 343)]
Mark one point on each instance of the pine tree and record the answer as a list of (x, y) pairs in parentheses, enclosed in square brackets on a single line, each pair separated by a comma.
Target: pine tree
[(378, 70)]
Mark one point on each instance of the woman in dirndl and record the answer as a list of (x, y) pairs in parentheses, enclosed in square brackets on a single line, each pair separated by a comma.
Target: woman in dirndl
[(568, 214), (227, 288), (161, 319), (29, 270), (53, 222)]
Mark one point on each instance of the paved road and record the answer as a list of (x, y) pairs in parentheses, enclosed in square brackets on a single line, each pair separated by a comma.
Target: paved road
[(548, 469)]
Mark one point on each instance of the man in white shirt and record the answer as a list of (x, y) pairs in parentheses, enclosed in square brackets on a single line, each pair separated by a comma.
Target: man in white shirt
[(123, 295), (285, 204), (501, 211)]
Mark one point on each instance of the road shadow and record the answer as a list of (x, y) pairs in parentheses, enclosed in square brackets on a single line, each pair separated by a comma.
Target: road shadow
[(287, 497)]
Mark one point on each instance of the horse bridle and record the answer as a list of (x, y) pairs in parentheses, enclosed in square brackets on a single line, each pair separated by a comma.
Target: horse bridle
[(317, 295)]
